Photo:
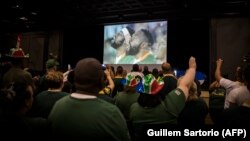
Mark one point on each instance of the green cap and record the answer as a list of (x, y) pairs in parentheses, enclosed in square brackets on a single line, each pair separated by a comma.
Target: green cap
[(51, 63)]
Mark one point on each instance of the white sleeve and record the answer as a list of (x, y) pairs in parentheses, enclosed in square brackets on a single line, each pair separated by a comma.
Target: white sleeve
[(227, 84)]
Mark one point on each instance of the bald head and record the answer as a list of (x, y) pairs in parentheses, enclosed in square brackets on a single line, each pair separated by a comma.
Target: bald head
[(89, 75), (166, 68)]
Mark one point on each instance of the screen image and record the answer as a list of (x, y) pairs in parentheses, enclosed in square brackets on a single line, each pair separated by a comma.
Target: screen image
[(135, 43)]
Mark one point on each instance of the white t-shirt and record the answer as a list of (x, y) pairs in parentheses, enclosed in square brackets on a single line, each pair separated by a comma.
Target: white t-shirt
[(229, 86), (239, 95)]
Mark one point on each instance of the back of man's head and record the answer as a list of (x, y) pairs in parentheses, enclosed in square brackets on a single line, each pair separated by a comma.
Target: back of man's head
[(119, 70), (54, 79), (135, 68), (166, 68), (17, 62), (89, 76)]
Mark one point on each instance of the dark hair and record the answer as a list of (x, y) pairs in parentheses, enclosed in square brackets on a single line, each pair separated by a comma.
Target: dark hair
[(146, 100), (149, 36), (112, 69), (119, 70), (13, 97), (17, 61), (130, 30), (198, 84), (155, 73), (145, 68), (135, 68), (160, 73), (146, 71)]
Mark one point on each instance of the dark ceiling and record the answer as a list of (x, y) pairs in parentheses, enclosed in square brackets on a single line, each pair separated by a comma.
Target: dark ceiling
[(42, 14)]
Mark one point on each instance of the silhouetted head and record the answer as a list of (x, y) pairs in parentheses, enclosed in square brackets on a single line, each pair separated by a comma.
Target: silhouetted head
[(119, 70), (17, 98), (135, 68), (89, 76), (166, 67)]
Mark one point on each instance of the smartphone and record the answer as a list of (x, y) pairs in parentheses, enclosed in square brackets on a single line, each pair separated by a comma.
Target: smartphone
[(104, 66), (69, 67)]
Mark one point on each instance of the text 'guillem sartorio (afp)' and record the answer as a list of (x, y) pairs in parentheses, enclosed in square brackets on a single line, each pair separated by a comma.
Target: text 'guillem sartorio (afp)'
[(224, 133)]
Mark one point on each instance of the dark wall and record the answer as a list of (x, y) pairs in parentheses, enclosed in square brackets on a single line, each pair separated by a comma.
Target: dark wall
[(230, 41), (6, 41), (189, 37), (81, 43)]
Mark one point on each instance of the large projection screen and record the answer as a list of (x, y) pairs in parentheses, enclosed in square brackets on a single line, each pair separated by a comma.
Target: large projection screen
[(135, 43)]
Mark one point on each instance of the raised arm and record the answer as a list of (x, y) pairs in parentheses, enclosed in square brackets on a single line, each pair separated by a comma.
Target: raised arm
[(188, 79), (111, 84), (217, 74)]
